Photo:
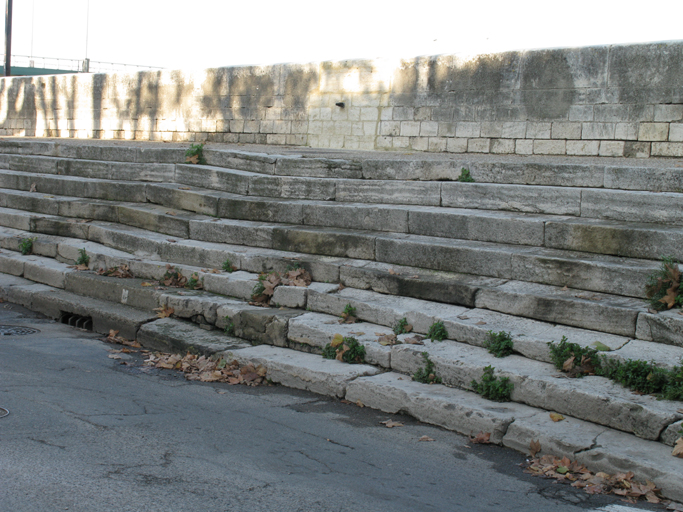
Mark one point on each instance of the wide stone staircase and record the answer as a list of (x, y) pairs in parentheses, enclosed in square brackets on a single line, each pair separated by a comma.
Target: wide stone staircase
[(540, 248)]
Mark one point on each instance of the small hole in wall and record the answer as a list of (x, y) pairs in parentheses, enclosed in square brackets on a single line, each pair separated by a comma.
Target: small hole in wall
[(340, 104)]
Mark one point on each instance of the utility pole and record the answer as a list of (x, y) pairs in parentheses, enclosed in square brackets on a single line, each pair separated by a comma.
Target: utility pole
[(8, 38)]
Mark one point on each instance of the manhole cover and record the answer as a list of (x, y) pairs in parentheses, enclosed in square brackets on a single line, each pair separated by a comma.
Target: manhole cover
[(16, 330)]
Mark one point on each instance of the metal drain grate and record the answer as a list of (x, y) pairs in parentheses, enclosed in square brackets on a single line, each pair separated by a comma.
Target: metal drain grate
[(16, 330), (74, 320)]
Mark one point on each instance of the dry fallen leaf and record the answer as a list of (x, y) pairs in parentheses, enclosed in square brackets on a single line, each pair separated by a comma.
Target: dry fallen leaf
[(171, 213), (480, 323), (164, 311), (387, 339), (393, 272), (192, 159), (33, 188), (678, 448), (114, 356), (184, 188), (425, 438), (391, 423), (359, 403), (481, 438), (534, 447), (565, 288), (414, 340), (146, 283), (556, 417)]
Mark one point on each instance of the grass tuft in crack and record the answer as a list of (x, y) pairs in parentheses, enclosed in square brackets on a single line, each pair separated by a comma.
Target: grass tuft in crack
[(465, 176), (346, 349), (437, 331), (26, 245), (499, 344), (195, 155), (427, 375), (493, 388), (402, 327), (83, 258)]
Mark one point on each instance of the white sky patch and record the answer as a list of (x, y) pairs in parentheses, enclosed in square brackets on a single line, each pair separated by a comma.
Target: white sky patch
[(212, 33)]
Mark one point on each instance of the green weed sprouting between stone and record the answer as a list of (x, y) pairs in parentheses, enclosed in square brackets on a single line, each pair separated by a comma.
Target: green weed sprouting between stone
[(293, 266), (437, 331), (640, 376), (229, 326), (427, 375), (493, 388), (574, 359), (349, 310), (195, 155), (83, 258), (194, 283), (346, 349), (402, 327), (258, 288), (227, 266), (465, 176), (499, 344), (26, 245), (663, 289), (645, 377)]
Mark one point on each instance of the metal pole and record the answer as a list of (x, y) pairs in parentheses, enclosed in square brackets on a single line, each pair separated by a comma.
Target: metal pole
[(8, 38)]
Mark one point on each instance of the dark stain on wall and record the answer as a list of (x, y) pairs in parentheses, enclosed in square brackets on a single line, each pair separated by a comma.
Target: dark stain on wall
[(299, 85), (547, 85)]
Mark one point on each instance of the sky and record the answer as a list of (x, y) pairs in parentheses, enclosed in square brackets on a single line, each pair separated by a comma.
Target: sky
[(195, 34)]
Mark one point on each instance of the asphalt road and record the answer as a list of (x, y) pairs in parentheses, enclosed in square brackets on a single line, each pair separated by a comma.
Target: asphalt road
[(87, 433)]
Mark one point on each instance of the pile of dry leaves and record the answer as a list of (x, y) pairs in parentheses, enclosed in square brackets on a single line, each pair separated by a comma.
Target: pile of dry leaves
[(122, 271), (265, 288), (210, 369), (621, 484)]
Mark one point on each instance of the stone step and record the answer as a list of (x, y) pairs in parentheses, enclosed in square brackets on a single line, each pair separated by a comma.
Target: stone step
[(92, 188), (594, 399), (595, 311), (634, 240), (173, 336), (56, 303), (656, 175), (563, 268), (646, 241), (583, 271), (92, 168)]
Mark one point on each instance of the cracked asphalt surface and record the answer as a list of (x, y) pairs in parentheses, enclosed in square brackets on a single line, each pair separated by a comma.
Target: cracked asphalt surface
[(87, 433)]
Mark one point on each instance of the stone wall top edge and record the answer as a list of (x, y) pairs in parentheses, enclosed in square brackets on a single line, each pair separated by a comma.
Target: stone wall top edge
[(359, 62)]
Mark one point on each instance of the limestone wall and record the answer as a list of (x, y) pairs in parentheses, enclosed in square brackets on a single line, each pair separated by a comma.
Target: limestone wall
[(609, 100)]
